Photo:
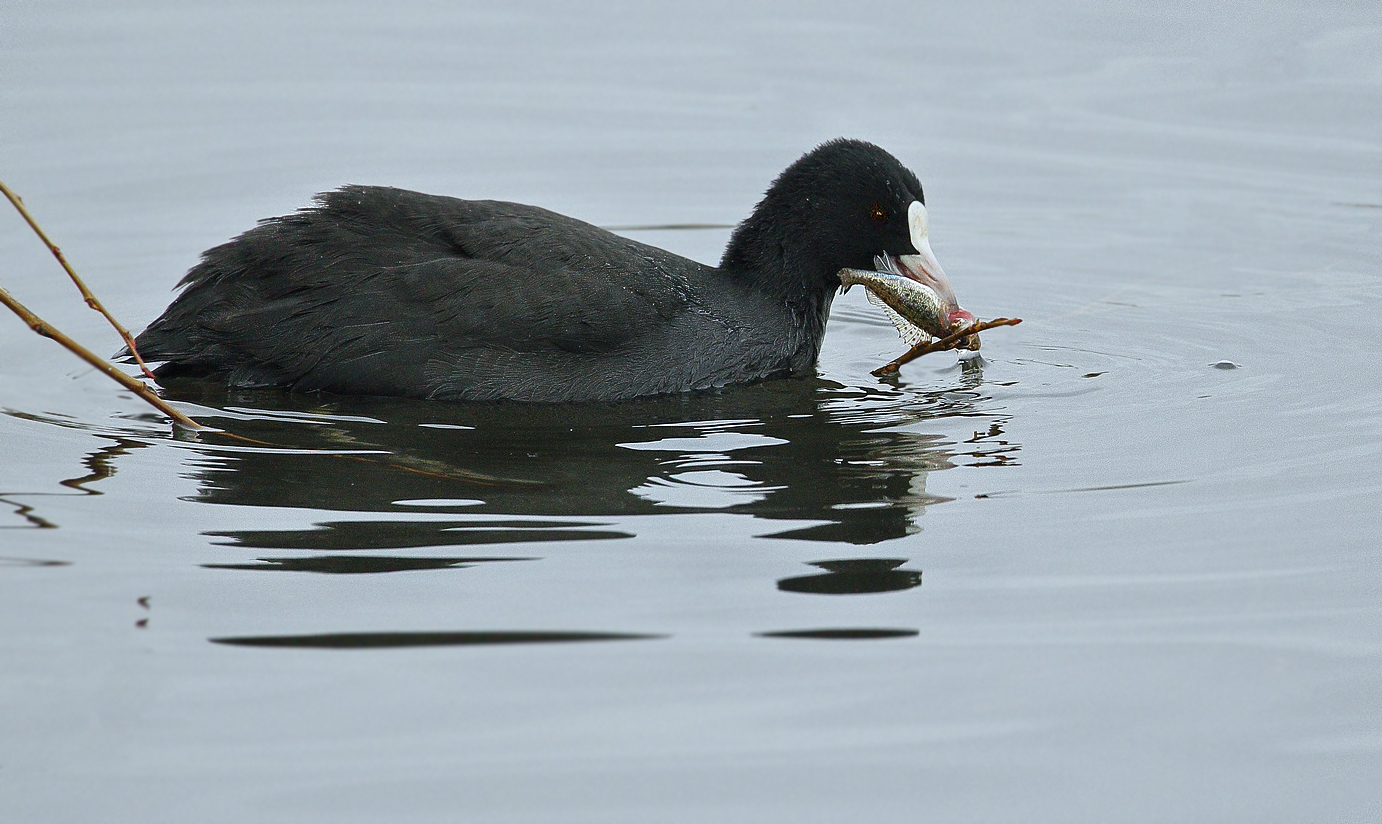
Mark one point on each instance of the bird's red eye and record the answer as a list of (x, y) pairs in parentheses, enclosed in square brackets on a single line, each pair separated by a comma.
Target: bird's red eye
[(878, 214)]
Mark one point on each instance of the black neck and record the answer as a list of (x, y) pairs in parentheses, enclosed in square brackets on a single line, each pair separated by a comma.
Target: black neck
[(774, 260), (761, 257)]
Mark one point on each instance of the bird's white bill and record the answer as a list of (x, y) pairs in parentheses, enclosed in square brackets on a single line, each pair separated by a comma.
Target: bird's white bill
[(923, 266)]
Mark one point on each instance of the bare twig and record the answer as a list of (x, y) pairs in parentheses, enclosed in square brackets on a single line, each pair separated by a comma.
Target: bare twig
[(942, 344), (81, 287), (133, 384)]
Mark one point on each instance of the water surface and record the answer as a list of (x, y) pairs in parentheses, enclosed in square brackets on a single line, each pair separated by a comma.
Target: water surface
[(1123, 567)]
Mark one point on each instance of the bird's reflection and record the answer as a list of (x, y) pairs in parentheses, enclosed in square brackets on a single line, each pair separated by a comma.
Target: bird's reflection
[(831, 463), (359, 564), (408, 534), (395, 640), (378, 640), (811, 459), (854, 577), (842, 634)]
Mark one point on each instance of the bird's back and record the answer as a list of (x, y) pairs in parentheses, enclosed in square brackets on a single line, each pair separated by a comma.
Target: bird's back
[(385, 291)]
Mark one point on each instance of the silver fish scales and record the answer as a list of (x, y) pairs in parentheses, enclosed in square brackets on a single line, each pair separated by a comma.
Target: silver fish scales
[(918, 312)]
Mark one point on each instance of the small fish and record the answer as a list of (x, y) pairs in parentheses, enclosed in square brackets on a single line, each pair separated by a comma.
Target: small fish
[(917, 310)]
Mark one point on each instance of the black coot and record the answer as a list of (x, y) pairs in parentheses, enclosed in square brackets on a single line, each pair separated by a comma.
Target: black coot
[(383, 291)]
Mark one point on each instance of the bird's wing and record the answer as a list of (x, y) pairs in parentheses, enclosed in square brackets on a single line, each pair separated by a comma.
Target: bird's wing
[(441, 289)]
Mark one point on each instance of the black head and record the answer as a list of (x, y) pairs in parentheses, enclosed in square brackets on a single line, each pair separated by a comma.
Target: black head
[(841, 206), (838, 206)]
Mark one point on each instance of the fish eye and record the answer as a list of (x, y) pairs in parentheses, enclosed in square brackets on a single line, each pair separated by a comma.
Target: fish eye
[(878, 214)]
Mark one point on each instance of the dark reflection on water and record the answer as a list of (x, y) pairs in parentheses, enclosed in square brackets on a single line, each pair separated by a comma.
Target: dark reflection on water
[(479, 474), (27, 513), (855, 577), (378, 640), (32, 562), (100, 464), (828, 462), (338, 535), (859, 634), (375, 640), (359, 564)]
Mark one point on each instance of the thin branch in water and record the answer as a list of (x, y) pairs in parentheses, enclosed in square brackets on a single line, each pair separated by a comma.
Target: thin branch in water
[(942, 344), (81, 287), (135, 385)]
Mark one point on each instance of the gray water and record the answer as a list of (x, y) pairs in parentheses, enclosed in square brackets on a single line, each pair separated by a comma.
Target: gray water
[(1125, 567)]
